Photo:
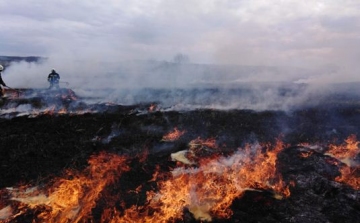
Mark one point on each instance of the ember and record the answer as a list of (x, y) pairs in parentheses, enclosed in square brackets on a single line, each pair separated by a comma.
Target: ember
[(174, 135)]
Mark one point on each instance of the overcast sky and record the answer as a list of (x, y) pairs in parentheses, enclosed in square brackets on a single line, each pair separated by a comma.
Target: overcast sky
[(246, 32)]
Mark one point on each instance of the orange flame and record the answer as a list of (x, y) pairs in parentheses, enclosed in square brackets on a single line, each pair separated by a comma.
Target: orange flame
[(306, 154), (346, 153), (72, 199), (210, 189), (347, 150), (173, 136), (349, 177), (49, 111), (53, 110), (62, 111), (207, 191)]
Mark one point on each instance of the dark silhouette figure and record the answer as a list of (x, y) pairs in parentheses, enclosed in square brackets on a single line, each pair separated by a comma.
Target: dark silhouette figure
[(53, 79)]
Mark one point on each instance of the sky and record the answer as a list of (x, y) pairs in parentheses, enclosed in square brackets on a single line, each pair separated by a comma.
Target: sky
[(308, 34)]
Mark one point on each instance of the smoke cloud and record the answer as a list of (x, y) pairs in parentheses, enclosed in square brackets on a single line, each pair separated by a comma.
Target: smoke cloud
[(128, 48)]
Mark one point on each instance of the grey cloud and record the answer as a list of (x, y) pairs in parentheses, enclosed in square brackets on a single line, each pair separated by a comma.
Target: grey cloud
[(341, 24)]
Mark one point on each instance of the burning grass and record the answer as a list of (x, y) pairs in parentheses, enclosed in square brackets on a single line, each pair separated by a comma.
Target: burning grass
[(349, 154), (206, 190), (124, 165)]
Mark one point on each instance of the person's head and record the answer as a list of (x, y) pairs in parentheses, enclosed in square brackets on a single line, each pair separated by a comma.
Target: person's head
[(1, 68), (53, 70)]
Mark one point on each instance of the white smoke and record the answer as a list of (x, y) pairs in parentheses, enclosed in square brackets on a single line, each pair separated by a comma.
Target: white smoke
[(179, 86)]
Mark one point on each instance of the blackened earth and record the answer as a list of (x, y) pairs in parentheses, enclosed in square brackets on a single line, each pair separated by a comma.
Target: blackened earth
[(36, 149)]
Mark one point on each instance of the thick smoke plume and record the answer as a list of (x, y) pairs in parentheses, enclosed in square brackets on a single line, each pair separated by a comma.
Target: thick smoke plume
[(177, 85)]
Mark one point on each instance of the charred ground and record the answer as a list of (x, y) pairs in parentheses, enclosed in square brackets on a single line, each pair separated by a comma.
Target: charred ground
[(36, 149)]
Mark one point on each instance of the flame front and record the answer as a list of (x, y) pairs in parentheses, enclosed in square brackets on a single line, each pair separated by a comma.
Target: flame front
[(349, 149), (209, 189), (71, 198), (346, 153), (75, 198), (206, 189)]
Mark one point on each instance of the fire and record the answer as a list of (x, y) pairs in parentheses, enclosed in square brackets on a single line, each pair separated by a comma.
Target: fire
[(72, 198), (62, 111), (206, 189), (66, 94), (347, 150), (49, 111), (346, 153), (56, 111), (306, 154), (349, 177), (200, 143), (152, 107), (209, 190), (173, 136), (12, 93)]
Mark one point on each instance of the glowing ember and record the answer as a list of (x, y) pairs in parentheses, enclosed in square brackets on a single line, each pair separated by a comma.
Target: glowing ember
[(12, 93), (152, 107), (66, 94), (62, 111), (200, 143), (173, 136), (54, 111), (306, 154), (49, 111)]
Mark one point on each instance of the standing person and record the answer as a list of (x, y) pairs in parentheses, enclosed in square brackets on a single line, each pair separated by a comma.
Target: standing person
[(53, 79), (2, 83)]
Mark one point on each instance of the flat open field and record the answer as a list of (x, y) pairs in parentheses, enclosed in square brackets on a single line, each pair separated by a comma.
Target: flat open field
[(64, 160)]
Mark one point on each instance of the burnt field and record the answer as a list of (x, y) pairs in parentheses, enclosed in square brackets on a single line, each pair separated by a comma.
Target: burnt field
[(65, 160)]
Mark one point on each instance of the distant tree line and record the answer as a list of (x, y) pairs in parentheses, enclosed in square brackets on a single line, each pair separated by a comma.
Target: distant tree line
[(181, 58), (7, 60)]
